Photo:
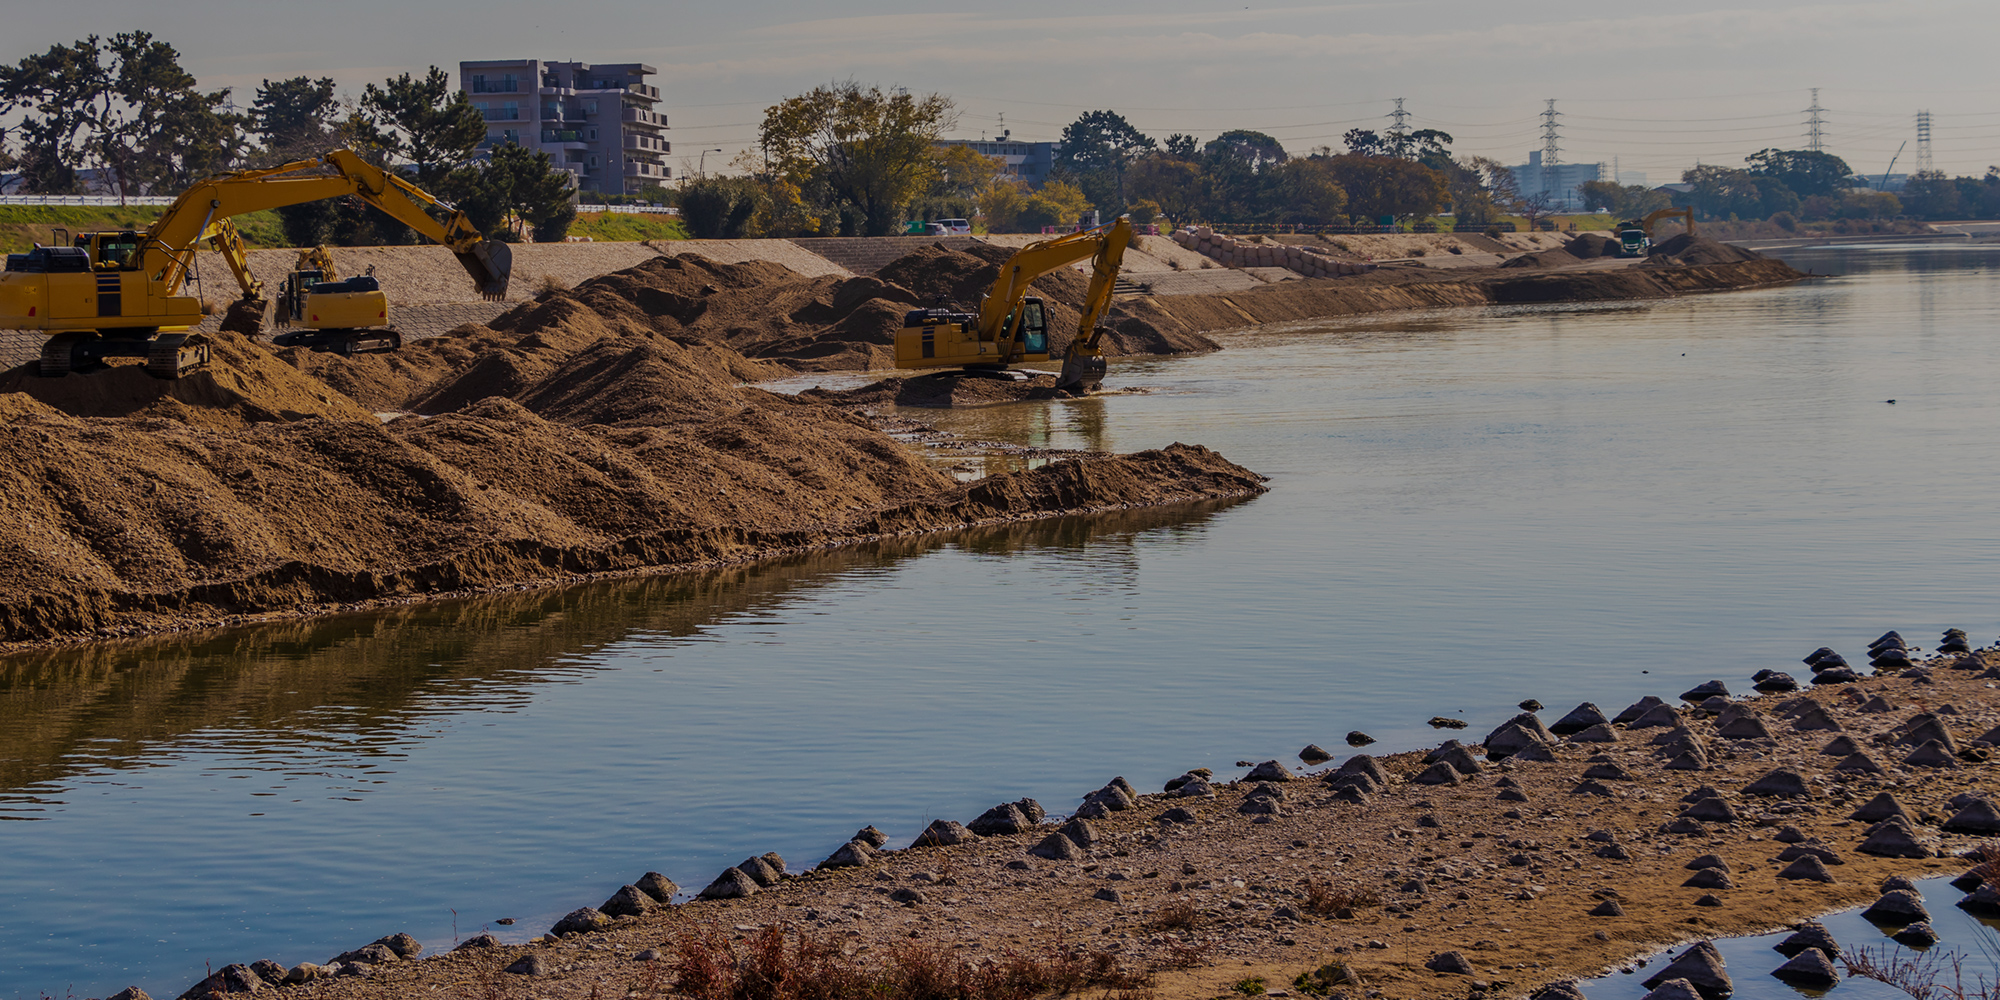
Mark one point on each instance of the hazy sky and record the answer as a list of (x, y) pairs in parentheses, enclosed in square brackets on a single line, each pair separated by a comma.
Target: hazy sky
[(1656, 87)]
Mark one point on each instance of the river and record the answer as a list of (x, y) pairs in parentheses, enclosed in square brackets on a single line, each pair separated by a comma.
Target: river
[(1468, 508)]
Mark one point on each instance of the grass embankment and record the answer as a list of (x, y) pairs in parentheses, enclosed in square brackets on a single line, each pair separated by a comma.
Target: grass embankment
[(624, 227), (22, 226)]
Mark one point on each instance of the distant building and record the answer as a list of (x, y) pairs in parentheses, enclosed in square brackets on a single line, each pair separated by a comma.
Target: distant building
[(1028, 161), (595, 121), (1558, 180), (1631, 178)]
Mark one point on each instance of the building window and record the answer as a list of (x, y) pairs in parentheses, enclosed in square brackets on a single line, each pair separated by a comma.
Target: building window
[(590, 107), (593, 135)]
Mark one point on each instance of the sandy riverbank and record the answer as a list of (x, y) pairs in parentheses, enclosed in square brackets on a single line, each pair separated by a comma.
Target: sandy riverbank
[(1183, 895)]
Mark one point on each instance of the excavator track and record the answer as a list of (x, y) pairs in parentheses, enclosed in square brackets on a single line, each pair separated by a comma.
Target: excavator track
[(173, 355), (59, 353)]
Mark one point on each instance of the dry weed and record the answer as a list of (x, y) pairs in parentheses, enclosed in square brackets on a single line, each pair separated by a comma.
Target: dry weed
[(1179, 915), (1324, 899), (550, 284)]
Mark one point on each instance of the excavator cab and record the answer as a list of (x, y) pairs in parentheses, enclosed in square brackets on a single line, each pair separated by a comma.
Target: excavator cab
[(1033, 337)]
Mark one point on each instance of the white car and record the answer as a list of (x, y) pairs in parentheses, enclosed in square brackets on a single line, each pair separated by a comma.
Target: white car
[(952, 227)]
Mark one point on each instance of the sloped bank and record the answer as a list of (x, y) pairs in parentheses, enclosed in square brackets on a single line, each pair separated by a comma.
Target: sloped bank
[(1292, 301)]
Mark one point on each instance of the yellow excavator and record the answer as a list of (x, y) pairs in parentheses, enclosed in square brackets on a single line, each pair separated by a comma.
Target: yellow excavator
[(1635, 237), (1011, 326), (122, 294), (328, 313)]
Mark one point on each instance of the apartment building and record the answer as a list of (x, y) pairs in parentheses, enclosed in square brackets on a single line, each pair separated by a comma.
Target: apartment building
[(1560, 181), (594, 120), (1027, 161)]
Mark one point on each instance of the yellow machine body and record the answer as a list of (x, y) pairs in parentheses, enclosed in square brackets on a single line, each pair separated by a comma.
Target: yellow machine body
[(345, 310), (939, 338), (125, 293), (1010, 326)]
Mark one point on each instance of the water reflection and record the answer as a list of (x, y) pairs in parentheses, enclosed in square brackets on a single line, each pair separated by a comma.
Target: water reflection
[(360, 686)]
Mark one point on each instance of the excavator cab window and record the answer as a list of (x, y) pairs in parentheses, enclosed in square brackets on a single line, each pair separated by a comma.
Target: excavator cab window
[(115, 250), (1034, 328)]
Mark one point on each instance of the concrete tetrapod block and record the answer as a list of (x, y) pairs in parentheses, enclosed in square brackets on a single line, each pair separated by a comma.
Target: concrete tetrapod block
[(1899, 906), (1810, 967), (1879, 808), (1781, 782), (1580, 718), (852, 854), (1806, 869), (1808, 934), (1825, 854), (1701, 966), (1978, 817), (1931, 754), (1638, 708), (1673, 989)]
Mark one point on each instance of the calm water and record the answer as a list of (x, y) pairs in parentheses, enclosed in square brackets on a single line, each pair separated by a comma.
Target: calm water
[(1468, 509), (1750, 960)]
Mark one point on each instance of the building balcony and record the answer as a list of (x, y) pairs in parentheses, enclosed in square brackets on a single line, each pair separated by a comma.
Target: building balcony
[(640, 168), (565, 136), (501, 114), (642, 117), (643, 90), (496, 87), (644, 144)]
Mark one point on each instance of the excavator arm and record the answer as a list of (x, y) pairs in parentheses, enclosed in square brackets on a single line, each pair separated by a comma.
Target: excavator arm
[(1084, 363), (201, 210), (1107, 245)]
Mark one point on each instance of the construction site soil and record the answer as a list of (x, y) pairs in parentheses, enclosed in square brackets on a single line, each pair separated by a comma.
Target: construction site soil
[(594, 430)]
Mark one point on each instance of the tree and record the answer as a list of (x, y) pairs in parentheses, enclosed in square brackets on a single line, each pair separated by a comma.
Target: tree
[(1724, 192), (1430, 147), (1624, 201), (516, 190), (1173, 183), (1929, 194), (63, 96), (162, 133), (125, 104), (1308, 193), (718, 208), (1253, 148), (1385, 186), (431, 126), (1805, 172), (1058, 203), (295, 117), (867, 149), (1180, 146), (1096, 148), (1364, 142), (1480, 190)]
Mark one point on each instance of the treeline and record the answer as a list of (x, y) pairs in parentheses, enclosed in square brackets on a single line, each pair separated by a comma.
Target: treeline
[(126, 110), (845, 160)]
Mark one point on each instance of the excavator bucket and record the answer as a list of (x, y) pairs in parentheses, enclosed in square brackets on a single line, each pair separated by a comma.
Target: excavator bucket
[(1083, 373), (490, 263)]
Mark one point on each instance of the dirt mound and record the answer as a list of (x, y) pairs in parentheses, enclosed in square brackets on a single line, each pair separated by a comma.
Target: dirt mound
[(1685, 249), (1539, 261), (242, 385), (626, 380), (763, 311), (1588, 245)]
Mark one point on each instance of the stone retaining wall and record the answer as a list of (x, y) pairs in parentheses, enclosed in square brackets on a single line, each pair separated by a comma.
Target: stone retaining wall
[(1309, 261)]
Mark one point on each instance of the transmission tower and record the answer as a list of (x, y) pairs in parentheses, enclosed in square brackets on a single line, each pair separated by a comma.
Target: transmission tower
[(1815, 124), (1924, 143), (1551, 148), (1399, 129)]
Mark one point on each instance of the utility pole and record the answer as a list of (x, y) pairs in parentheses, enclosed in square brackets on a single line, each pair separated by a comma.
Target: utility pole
[(1399, 130), (1815, 124), (1924, 165)]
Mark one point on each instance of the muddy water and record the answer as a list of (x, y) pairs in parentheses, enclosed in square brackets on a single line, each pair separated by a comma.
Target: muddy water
[(1470, 508)]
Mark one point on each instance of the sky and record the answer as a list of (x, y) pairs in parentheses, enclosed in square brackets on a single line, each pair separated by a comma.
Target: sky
[(1651, 88)]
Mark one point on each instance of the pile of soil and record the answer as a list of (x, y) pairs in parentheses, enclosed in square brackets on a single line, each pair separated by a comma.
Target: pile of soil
[(1588, 245), (600, 430), (242, 385), (1685, 249)]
